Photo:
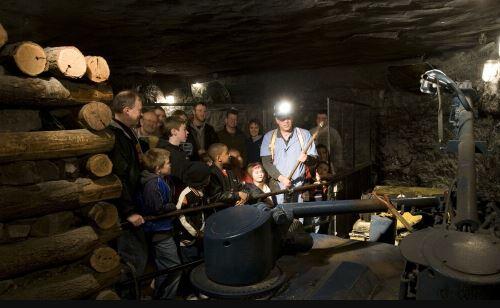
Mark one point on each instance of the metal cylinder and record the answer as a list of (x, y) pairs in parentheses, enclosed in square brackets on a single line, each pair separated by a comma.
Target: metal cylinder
[(334, 207), (466, 179), (239, 246)]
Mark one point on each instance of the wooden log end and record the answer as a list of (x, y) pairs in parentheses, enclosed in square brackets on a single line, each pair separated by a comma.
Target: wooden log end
[(29, 57), (95, 116), (4, 37), (104, 259), (16, 231), (107, 295), (104, 214), (99, 165), (97, 69), (106, 188), (67, 61)]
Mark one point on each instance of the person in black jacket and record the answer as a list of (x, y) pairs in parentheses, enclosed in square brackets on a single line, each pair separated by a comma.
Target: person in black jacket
[(188, 145), (176, 131), (190, 226), (223, 186), (232, 136), (156, 199), (125, 156), (203, 133), (254, 141)]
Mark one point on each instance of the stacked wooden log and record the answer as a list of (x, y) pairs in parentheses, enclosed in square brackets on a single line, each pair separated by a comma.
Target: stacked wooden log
[(56, 227)]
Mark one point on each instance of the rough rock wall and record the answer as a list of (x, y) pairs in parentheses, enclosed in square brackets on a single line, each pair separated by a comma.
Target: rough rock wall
[(405, 124)]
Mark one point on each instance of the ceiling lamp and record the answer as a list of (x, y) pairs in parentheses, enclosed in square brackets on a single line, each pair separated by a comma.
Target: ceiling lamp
[(490, 70), (170, 99)]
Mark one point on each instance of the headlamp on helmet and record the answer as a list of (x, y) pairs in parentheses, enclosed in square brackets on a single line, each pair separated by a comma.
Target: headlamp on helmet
[(283, 109)]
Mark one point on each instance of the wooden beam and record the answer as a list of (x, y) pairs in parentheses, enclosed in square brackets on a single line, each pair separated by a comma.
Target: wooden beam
[(28, 172), (55, 196), (61, 283), (16, 146), (20, 120), (53, 224), (33, 254), (42, 92)]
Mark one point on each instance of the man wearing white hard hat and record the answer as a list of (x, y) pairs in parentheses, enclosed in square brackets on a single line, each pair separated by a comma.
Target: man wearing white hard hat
[(281, 149)]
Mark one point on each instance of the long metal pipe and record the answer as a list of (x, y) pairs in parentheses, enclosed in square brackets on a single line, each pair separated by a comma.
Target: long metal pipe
[(466, 180), (334, 207)]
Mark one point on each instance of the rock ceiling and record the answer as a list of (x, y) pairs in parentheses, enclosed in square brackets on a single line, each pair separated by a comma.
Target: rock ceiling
[(196, 37)]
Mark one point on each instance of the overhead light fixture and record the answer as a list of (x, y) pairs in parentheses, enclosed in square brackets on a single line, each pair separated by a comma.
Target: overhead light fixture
[(196, 85), (197, 89), (490, 70), (498, 43), (170, 99)]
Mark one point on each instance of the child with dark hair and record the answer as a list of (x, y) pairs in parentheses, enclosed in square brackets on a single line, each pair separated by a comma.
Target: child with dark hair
[(236, 163), (324, 156), (190, 226), (205, 158), (156, 199), (224, 185), (175, 130), (188, 145)]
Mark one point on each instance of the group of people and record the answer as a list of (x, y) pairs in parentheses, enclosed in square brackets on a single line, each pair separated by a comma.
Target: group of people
[(169, 163)]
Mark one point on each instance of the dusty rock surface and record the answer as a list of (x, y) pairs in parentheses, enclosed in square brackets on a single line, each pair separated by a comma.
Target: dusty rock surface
[(200, 37)]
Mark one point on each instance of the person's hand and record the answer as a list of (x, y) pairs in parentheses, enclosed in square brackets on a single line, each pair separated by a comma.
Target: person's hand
[(269, 203), (243, 198), (305, 196), (135, 219), (201, 151), (285, 181), (303, 157), (318, 177)]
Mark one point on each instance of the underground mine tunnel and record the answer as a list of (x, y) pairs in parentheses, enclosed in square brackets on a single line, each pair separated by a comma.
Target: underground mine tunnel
[(288, 150)]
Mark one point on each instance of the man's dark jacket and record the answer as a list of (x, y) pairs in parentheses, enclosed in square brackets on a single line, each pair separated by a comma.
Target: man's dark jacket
[(125, 159), (234, 141), (210, 138)]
